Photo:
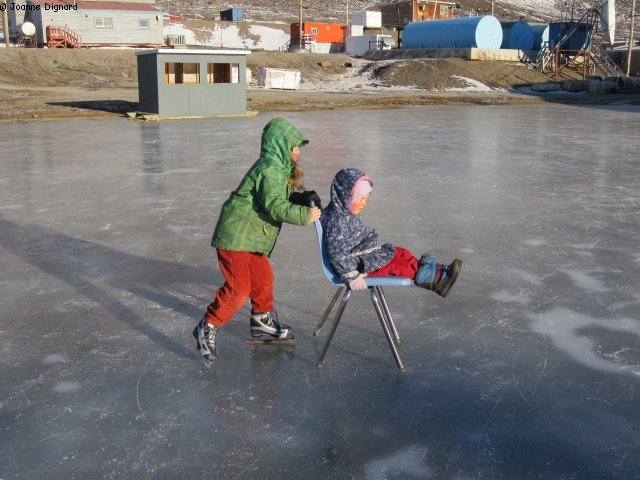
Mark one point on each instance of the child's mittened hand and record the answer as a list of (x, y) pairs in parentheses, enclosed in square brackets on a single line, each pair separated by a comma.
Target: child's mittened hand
[(313, 198), (315, 214), (358, 284), (308, 198)]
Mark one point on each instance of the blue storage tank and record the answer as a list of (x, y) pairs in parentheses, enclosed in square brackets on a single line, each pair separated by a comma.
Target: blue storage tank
[(232, 14), (540, 35), (466, 32), (579, 39), (517, 35)]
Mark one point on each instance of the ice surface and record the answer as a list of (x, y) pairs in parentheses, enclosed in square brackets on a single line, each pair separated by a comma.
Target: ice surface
[(530, 368)]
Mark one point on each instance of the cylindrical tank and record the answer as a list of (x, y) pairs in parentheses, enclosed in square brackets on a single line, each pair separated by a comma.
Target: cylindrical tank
[(27, 29), (517, 35), (466, 32), (540, 35)]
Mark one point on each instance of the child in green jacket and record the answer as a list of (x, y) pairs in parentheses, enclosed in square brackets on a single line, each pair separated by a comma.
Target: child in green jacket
[(246, 233)]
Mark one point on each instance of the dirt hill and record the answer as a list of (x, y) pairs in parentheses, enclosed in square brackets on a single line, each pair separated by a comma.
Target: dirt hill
[(46, 83), (117, 68)]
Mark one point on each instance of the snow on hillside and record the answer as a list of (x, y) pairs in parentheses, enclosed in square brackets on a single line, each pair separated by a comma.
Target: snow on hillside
[(535, 4), (258, 37), (254, 35), (327, 10)]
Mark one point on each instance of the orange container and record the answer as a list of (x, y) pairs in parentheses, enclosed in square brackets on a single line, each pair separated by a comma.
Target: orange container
[(318, 32)]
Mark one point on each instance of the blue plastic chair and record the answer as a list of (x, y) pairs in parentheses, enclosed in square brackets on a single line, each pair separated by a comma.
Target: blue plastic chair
[(378, 299)]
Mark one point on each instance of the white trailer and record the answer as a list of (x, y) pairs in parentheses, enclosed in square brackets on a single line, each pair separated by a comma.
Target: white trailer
[(358, 46), (279, 78), (367, 19)]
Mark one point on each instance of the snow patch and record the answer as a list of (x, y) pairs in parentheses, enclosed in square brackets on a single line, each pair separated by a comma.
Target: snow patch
[(66, 387), (535, 242), (563, 327), (54, 358), (229, 36), (584, 280), (505, 296), (407, 463), (473, 86), (527, 277)]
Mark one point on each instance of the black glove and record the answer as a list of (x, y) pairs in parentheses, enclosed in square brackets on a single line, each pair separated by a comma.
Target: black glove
[(305, 198)]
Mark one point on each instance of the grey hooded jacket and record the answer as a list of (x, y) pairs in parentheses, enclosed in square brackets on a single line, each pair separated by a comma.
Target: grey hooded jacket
[(352, 247)]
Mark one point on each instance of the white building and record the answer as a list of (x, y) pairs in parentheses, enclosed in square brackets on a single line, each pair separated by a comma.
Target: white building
[(94, 22)]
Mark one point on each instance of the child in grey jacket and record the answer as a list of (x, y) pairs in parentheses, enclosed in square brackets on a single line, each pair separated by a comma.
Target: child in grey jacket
[(353, 248)]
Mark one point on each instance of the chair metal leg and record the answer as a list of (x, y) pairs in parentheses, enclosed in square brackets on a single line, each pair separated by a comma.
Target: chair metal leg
[(327, 311), (387, 312), (343, 304), (392, 344)]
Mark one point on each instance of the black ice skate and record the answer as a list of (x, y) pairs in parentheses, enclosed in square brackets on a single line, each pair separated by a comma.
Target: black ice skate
[(204, 338), (266, 328)]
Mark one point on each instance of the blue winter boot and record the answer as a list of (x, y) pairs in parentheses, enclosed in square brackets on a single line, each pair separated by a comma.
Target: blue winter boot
[(436, 276)]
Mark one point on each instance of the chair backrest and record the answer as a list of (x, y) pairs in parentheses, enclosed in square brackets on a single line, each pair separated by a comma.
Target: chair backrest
[(326, 266)]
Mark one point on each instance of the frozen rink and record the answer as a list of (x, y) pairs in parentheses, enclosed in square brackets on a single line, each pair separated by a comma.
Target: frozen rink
[(529, 370)]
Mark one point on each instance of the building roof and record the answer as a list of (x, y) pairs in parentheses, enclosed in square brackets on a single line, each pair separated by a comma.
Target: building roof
[(187, 51), (99, 5)]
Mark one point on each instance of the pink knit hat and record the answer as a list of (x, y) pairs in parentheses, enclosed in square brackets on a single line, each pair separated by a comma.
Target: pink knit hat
[(362, 187)]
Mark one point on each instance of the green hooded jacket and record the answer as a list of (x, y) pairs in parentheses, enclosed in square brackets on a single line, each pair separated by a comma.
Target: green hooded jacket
[(252, 216)]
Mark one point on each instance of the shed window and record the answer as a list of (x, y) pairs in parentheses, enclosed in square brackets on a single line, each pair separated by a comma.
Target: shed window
[(444, 10), (143, 23), (314, 31), (185, 73), (223, 73), (103, 22)]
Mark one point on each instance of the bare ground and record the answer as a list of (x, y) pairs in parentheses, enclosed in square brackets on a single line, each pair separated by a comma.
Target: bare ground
[(94, 83)]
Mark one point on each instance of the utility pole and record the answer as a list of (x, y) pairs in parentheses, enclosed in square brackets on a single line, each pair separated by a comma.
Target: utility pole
[(5, 21), (492, 8), (300, 32), (347, 12), (631, 32)]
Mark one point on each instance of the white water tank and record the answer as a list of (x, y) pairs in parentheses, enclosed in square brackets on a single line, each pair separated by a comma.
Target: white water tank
[(466, 32), (27, 29)]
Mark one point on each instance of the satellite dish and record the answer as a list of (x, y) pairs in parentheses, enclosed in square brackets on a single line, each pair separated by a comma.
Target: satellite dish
[(608, 19), (27, 29)]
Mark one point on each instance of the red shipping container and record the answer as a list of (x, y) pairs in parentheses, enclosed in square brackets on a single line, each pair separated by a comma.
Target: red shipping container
[(318, 32)]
